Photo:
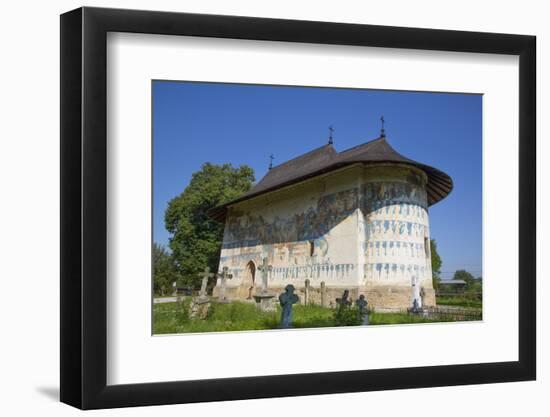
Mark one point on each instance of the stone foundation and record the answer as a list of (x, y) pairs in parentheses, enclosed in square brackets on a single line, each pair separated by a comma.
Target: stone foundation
[(379, 297), (396, 298)]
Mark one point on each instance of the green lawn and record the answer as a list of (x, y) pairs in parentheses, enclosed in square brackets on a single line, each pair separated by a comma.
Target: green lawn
[(173, 318), (459, 301), (400, 318)]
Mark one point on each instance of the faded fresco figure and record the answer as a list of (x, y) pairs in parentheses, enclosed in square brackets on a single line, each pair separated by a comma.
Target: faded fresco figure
[(287, 300)]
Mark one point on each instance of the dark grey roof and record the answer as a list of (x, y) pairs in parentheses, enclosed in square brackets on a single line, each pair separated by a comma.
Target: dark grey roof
[(295, 168), (379, 150), (452, 282), (326, 159)]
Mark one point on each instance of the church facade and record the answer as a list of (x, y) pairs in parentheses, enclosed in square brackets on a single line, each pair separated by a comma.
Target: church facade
[(329, 221)]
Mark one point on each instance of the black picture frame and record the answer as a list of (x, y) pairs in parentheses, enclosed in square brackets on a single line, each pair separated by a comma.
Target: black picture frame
[(84, 207)]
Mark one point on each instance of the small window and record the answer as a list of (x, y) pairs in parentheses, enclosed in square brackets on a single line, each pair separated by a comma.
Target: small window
[(427, 247), (311, 248)]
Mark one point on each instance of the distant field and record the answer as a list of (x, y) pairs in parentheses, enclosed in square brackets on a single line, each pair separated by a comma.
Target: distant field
[(174, 318)]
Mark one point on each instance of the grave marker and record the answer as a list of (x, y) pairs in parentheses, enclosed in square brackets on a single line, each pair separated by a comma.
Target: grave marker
[(224, 277)]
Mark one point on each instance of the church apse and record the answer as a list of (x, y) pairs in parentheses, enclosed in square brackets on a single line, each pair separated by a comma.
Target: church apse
[(396, 228)]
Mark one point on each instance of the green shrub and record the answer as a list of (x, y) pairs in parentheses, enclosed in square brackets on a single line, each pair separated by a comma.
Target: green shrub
[(182, 312), (345, 315)]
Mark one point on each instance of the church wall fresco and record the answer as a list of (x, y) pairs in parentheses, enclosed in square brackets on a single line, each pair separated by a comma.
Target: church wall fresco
[(252, 230), (396, 231), (296, 234), (362, 233), (307, 256)]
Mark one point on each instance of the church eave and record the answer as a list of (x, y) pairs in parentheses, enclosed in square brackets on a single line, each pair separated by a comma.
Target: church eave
[(438, 187)]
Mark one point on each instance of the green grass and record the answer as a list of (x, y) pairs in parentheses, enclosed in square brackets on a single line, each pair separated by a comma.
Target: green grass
[(311, 316), (173, 318), (459, 301), (400, 318)]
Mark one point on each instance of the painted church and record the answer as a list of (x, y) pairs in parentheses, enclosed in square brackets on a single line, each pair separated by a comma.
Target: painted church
[(328, 221)]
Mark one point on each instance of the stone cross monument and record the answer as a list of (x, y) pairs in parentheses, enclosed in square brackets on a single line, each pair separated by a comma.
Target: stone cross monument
[(200, 305), (361, 304), (306, 291), (224, 277), (205, 275), (264, 299), (265, 268), (287, 299), (417, 299), (324, 297)]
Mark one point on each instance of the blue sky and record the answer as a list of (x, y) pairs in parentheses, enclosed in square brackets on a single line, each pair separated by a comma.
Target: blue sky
[(243, 124)]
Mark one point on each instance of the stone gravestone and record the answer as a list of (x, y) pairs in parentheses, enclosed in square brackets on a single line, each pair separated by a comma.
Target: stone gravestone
[(224, 277), (264, 300), (306, 292), (205, 275), (344, 301), (361, 304), (201, 304), (287, 300), (265, 268), (323, 294)]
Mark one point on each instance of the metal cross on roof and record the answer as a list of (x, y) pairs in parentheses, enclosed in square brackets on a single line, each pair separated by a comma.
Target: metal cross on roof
[(382, 132), (271, 158), (330, 139)]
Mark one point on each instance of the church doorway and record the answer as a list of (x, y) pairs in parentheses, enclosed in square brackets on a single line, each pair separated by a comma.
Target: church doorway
[(247, 286)]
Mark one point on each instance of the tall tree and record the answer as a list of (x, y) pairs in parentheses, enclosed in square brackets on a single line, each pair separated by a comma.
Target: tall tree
[(196, 238), (164, 270), (436, 264)]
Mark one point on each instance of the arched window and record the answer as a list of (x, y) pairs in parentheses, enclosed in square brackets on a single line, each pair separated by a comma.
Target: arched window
[(311, 248)]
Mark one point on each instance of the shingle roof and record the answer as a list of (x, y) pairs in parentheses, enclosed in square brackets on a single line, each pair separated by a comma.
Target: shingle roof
[(295, 168), (326, 159)]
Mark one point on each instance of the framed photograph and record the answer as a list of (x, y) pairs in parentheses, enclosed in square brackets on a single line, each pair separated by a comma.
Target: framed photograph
[(259, 208)]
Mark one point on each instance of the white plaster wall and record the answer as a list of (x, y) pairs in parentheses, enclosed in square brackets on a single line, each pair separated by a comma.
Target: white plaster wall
[(396, 227), (281, 225)]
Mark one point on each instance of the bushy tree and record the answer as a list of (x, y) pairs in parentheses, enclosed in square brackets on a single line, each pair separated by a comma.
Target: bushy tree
[(436, 264), (164, 270), (472, 285), (196, 238), (465, 276)]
